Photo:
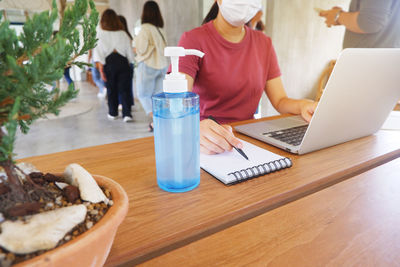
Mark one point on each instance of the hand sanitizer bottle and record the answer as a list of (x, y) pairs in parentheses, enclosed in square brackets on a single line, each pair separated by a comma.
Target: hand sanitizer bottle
[(176, 120)]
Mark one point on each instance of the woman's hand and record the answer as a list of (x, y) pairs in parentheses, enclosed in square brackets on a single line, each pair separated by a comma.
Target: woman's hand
[(330, 15), (100, 67), (215, 138), (307, 108), (103, 75)]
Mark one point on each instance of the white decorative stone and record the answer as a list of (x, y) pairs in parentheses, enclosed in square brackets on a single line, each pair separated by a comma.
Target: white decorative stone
[(49, 205), (42, 231), (27, 168), (61, 185), (89, 190), (89, 225), (94, 212), (59, 200)]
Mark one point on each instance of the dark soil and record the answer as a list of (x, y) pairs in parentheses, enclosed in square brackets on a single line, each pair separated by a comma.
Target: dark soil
[(50, 197)]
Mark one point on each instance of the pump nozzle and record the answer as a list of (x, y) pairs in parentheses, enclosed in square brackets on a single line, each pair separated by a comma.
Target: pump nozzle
[(194, 52), (175, 81)]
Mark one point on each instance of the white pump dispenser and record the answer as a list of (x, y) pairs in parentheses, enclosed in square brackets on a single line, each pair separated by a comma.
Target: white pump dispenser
[(176, 82)]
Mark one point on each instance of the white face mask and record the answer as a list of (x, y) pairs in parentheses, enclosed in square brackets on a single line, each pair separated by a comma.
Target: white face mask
[(239, 12)]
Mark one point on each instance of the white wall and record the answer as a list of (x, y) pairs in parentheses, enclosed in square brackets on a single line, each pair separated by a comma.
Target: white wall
[(206, 6), (304, 45)]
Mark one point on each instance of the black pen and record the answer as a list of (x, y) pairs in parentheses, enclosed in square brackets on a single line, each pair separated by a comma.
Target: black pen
[(237, 149)]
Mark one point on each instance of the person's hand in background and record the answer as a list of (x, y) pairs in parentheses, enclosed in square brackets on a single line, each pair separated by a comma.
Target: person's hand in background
[(100, 67), (331, 16)]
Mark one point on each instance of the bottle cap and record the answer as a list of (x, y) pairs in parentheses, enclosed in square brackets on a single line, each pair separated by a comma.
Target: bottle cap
[(176, 82)]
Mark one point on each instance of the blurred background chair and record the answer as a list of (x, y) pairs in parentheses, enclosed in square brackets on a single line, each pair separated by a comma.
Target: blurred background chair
[(324, 78)]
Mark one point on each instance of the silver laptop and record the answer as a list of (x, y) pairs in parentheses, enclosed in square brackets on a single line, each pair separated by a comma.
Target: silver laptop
[(362, 90)]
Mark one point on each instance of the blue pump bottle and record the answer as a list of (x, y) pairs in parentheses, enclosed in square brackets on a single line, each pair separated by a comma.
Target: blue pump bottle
[(176, 119)]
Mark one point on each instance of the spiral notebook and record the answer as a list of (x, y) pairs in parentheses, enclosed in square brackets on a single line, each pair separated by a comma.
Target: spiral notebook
[(230, 167)]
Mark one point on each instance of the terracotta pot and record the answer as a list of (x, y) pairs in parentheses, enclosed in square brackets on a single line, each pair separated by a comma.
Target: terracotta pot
[(92, 247)]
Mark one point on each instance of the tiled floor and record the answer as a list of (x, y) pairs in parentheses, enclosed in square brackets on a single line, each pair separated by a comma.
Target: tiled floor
[(89, 128)]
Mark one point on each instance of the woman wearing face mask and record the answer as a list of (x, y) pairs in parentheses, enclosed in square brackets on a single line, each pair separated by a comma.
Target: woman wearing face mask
[(229, 91)]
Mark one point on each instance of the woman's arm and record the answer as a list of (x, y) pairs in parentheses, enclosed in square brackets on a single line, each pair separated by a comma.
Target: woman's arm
[(279, 100), (350, 21), (214, 138), (336, 16), (100, 67), (371, 17), (190, 81)]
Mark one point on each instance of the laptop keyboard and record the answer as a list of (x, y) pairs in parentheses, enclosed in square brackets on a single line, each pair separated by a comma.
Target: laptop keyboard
[(291, 136)]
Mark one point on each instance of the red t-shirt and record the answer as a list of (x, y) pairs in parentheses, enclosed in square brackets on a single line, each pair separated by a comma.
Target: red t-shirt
[(231, 77)]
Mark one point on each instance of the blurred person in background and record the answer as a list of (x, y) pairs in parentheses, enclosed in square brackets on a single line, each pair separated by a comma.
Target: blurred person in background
[(368, 23), (255, 23), (124, 23), (113, 54), (152, 65), (96, 77)]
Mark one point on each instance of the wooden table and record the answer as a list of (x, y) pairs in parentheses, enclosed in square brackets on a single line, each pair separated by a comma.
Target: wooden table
[(159, 222), (353, 223)]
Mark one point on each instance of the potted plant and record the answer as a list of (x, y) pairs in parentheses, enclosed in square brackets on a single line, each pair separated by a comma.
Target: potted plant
[(29, 62)]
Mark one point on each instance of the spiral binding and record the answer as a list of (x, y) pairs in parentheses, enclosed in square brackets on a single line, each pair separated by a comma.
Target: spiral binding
[(262, 169)]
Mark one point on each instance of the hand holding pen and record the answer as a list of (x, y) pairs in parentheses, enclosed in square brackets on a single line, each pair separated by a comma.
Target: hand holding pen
[(216, 138)]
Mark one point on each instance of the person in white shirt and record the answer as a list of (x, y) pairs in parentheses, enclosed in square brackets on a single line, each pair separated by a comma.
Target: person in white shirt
[(152, 65), (113, 55)]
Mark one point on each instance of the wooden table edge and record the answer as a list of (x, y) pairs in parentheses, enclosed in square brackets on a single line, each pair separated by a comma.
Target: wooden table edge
[(259, 208)]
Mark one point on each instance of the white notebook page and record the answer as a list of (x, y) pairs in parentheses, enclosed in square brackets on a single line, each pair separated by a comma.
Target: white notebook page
[(220, 165)]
